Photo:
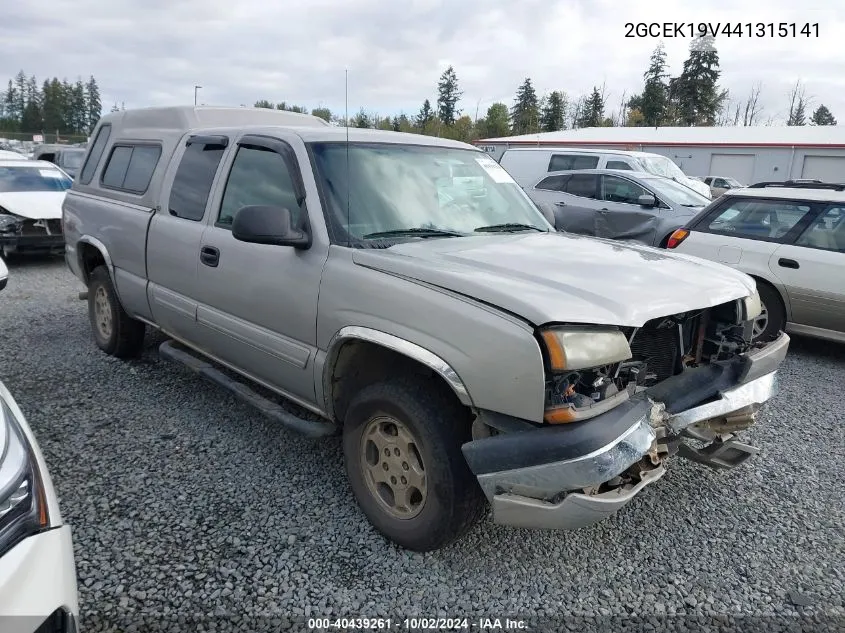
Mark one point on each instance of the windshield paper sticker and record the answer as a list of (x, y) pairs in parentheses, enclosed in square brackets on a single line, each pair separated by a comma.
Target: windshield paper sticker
[(50, 173), (494, 170)]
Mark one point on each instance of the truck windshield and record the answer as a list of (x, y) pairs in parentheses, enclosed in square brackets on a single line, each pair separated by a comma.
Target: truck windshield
[(397, 188), (30, 179), (662, 166), (73, 158)]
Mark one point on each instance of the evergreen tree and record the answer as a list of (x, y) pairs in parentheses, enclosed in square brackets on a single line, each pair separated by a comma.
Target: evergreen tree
[(448, 95), (525, 114), (323, 113), (78, 109), (652, 103), (696, 94), (822, 116), (592, 113), (10, 102), (362, 120), (21, 84), (93, 104), (496, 123), (554, 112), (425, 118), (261, 103)]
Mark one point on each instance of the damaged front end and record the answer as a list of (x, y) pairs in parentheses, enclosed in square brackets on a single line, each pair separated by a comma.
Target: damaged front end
[(618, 404)]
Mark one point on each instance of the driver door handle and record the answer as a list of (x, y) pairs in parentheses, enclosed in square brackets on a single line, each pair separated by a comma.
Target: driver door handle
[(788, 263), (209, 256), (560, 203)]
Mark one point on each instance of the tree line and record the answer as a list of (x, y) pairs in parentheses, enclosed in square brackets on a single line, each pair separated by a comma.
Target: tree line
[(54, 106), (693, 98)]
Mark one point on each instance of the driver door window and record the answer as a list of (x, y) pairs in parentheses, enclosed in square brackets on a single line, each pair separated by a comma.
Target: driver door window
[(582, 185), (616, 189), (259, 176)]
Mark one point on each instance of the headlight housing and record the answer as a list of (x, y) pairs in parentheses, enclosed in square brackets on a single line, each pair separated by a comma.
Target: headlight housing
[(23, 507), (582, 347), (752, 306), (8, 222)]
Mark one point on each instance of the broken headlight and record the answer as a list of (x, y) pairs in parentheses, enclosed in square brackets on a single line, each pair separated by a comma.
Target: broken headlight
[(752, 306), (579, 386), (23, 507), (8, 222)]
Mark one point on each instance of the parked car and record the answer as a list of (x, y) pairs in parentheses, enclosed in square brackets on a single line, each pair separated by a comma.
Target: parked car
[(31, 195), (37, 571), (719, 185), (614, 204), (11, 155), (528, 164), (465, 350), (67, 157), (791, 238)]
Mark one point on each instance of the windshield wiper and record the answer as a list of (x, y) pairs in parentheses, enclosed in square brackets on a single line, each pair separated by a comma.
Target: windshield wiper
[(508, 228), (692, 205), (413, 232)]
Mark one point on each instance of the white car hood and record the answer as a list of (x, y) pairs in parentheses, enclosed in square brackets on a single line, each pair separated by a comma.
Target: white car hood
[(564, 278), (34, 205), (698, 186)]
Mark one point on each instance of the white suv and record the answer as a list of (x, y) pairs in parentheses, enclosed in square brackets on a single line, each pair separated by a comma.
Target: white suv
[(789, 236)]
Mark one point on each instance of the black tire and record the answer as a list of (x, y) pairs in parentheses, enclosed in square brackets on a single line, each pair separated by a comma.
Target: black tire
[(454, 501), (125, 337), (774, 311)]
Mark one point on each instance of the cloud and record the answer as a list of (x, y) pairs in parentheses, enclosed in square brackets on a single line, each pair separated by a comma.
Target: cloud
[(153, 53)]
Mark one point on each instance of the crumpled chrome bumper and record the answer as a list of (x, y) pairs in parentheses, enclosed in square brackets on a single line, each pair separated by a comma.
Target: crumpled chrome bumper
[(542, 484)]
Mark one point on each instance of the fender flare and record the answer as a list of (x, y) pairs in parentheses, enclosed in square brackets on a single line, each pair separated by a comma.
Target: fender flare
[(396, 344)]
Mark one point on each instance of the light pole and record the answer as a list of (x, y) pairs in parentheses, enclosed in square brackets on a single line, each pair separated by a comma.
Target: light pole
[(195, 93)]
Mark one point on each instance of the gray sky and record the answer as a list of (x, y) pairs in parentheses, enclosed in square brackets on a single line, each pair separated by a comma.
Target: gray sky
[(152, 52)]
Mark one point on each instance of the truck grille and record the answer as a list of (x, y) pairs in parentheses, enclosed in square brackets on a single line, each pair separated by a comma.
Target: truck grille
[(658, 347)]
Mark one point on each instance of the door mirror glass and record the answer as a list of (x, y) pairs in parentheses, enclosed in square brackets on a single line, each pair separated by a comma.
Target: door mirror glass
[(264, 224), (647, 200)]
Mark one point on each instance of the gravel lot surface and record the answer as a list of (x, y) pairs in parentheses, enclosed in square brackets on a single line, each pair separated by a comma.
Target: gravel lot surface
[(186, 502)]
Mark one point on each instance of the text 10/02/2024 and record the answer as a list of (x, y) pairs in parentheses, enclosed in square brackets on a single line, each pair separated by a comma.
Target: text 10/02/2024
[(727, 29)]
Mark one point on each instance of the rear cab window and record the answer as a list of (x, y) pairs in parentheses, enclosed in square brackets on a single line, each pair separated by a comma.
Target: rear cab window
[(561, 162), (195, 176)]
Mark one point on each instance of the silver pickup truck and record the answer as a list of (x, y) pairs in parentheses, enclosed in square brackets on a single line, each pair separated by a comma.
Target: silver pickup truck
[(405, 292)]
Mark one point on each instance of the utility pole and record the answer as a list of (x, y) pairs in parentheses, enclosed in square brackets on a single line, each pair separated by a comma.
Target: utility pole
[(195, 93)]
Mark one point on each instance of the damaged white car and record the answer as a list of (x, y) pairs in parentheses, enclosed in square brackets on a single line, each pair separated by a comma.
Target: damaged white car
[(31, 196)]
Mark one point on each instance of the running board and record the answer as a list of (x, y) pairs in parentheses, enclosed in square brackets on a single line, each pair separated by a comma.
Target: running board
[(172, 351)]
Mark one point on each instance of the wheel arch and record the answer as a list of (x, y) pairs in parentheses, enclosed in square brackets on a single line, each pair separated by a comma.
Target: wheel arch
[(784, 301), (90, 253), (378, 354)]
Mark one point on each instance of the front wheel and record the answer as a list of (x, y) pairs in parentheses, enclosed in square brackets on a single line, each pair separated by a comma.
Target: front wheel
[(402, 447), (115, 332)]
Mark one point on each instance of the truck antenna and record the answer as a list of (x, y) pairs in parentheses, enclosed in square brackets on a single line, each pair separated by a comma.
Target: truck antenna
[(346, 121)]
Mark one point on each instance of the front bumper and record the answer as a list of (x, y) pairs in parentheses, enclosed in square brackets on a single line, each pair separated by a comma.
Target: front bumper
[(38, 582), (31, 243), (572, 475)]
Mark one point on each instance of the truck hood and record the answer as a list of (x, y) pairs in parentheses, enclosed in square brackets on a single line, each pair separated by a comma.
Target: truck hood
[(34, 205), (564, 278)]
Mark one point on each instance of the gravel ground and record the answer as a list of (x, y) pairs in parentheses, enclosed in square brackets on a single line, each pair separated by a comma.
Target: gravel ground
[(185, 502)]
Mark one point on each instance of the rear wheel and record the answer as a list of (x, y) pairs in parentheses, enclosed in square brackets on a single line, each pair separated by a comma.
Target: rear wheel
[(115, 332), (402, 447), (772, 318)]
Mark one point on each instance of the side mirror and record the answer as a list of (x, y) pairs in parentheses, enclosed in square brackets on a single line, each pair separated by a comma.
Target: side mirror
[(647, 200), (260, 224)]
